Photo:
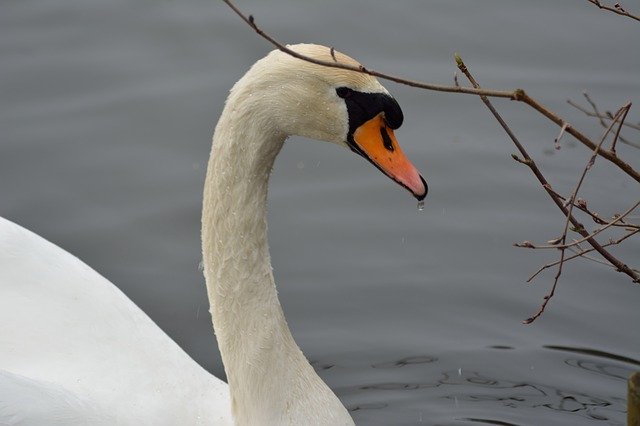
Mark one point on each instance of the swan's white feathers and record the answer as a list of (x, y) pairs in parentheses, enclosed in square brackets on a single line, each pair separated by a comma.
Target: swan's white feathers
[(24, 402), (336, 76), (63, 323)]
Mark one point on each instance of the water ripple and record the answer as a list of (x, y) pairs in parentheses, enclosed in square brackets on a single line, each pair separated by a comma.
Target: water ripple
[(483, 387)]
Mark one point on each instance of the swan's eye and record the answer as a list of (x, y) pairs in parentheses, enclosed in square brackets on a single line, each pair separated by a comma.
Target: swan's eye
[(344, 92)]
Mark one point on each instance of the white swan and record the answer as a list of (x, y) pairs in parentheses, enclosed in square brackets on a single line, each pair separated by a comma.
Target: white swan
[(75, 350)]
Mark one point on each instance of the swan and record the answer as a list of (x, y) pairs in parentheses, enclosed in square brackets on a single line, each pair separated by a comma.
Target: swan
[(74, 350)]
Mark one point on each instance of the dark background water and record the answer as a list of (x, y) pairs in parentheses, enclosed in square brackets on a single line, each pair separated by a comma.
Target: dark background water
[(106, 115)]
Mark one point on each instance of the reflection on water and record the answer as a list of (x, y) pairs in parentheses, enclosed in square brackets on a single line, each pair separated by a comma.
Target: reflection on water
[(406, 361), (599, 367), (515, 394), (485, 389), (491, 422)]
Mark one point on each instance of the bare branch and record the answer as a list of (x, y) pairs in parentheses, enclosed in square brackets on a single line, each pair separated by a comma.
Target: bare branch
[(583, 253), (516, 95), (555, 244), (616, 8), (545, 184), (598, 115), (567, 211), (563, 238), (622, 118), (602, 117), (582, 205), (549, 295)]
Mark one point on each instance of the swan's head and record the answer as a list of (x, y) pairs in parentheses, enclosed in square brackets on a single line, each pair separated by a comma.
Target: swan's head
[(331, 104)]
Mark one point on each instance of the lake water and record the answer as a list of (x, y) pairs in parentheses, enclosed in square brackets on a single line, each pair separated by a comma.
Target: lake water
[(106, 115)]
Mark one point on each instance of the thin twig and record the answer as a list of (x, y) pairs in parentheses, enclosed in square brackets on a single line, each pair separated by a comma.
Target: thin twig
[(621, 114), (582, 205), (601, 117), (556, 141), (594, 107), (595, 115), (617, 135), (615, 9), (593, 234), (587, 257), (583, 253)]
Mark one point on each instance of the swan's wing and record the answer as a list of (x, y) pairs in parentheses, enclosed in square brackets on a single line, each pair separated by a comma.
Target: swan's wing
[(25, 401), (64, 324)]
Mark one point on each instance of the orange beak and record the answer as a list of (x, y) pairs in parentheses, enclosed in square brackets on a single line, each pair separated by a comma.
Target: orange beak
[(376, 142)]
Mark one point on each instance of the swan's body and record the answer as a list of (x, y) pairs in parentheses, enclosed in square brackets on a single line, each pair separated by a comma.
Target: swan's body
[(75, 350)]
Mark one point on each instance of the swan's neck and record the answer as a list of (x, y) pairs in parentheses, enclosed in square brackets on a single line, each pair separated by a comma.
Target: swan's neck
[(270, 380)]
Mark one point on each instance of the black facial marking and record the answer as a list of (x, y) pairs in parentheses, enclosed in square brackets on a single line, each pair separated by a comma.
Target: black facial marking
[(362, 107), (386, 140), (343, 92)]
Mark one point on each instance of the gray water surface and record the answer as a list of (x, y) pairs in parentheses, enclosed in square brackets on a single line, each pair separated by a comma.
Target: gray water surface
[(106, 115)]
